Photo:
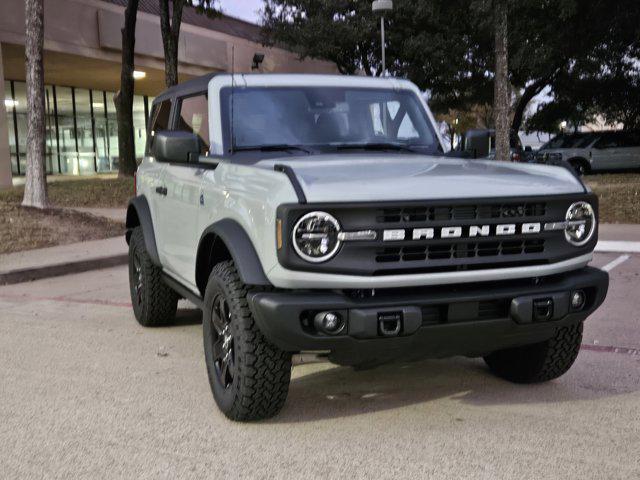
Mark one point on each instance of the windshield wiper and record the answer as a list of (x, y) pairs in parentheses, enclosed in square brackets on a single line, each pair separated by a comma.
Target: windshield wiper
[(377, 146), (270, 148)]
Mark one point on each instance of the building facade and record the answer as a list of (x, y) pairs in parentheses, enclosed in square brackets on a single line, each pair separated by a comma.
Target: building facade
[(82, 74)]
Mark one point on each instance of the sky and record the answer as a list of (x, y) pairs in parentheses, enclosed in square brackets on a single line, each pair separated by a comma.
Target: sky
[(244, 9)]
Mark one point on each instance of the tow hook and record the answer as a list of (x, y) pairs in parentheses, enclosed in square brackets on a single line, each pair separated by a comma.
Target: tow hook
[(389, 323), (542, 310)]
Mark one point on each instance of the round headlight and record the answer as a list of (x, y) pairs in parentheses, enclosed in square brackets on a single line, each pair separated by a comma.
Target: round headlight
[(581, 223), (315, 237)]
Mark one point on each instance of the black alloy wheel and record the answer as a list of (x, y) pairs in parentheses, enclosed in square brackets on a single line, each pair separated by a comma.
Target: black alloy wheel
[(223, 345)]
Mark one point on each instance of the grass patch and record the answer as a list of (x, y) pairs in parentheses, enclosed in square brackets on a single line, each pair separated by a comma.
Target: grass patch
[(619, 195), (24, 228), (85, 192)]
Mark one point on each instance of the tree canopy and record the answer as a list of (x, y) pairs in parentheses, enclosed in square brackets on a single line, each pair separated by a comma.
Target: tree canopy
[(584, 53)]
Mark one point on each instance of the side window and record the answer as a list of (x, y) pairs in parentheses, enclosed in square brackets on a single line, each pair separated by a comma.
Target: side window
[(194, 118), (630, 139), (160, 116), (608, 140)]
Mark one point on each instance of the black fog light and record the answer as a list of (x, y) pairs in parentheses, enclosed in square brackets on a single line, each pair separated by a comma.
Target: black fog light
[(329, 323), (578, 299)]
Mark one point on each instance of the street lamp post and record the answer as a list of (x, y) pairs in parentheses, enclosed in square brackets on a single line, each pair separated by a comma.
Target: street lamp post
[(382, 6)]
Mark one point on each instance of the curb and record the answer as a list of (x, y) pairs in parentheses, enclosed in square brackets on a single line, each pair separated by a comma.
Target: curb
[(616, 246), (29, 274)]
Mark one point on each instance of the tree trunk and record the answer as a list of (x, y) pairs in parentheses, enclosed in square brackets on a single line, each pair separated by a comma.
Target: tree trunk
[(170, 38), (35, 191), (124, 98), (501, 81), (518, 115)]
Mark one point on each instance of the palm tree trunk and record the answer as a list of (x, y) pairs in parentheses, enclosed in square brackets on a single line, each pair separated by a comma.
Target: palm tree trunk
[(35, 191), (501, 81)]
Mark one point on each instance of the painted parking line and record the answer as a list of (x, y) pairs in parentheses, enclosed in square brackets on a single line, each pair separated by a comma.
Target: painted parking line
[(614, 246), (615, 262), (64, 299), (610, 349)]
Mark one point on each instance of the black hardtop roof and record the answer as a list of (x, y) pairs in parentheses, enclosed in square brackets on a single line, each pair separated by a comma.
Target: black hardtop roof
[(195, 85)]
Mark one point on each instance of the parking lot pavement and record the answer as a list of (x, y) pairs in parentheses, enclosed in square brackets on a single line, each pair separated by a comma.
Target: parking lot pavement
[(87, 393)]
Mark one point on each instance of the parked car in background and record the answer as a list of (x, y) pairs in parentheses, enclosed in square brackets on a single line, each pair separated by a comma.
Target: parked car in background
[(594, 151), (481, 143)]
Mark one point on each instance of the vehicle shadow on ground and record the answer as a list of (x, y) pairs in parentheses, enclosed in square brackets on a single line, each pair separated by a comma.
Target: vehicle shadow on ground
[(186, 317), (332, 392)]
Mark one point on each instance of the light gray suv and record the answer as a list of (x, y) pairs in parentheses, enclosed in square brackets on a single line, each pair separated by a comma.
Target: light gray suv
[(587, 152), (318, 215)]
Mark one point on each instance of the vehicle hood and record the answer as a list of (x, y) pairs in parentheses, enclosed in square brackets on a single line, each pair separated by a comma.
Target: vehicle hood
[(356, 177)]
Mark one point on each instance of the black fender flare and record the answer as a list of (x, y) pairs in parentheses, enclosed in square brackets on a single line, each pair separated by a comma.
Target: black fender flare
[(139, 214), (242, 251)]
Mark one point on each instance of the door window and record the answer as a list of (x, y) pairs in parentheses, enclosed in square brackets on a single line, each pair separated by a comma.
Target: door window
[(609, 140), (630, 139), (160, 116), (194, 118)]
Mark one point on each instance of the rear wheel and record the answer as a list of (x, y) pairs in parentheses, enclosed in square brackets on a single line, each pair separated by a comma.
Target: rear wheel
[(539, 362), (154, 302), (249, 376)]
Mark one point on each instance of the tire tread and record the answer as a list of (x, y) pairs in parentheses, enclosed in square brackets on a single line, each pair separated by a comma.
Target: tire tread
[(263, 369), (539, 362)]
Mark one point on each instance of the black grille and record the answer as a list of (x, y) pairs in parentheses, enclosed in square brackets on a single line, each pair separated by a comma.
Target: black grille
[(460, 212), (444, 235), (445, 251)]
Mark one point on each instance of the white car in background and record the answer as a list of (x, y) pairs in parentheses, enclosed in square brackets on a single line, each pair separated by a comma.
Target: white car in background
[(598, 151)]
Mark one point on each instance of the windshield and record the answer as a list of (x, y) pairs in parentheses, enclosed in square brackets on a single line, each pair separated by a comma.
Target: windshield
[(563, 141), (325, 117)]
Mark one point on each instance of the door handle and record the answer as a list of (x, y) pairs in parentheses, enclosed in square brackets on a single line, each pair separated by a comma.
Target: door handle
[(161, 190)]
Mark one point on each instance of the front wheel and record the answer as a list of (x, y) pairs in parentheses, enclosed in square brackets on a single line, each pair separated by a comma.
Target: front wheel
[(154, 303), (249, 377), (539, 362)]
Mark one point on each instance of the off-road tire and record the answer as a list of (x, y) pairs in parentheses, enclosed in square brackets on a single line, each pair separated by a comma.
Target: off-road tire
[(156, 303), (262, 371), (539, 362)]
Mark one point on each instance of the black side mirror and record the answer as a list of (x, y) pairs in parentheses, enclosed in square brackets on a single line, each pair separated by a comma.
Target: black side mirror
[(175, 146)]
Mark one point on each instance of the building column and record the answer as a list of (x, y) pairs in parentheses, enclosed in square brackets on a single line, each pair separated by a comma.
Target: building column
[(5, 155)]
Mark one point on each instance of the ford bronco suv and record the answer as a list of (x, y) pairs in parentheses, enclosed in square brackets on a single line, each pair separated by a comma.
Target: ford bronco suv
[(318, 215)]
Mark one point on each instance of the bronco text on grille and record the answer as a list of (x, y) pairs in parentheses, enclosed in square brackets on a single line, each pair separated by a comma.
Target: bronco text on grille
[(443, 236)]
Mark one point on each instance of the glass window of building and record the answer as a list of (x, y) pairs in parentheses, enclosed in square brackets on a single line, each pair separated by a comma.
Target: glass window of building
[(66, 131), (20, 108), (84, 132), (112, 131), (9, 104), (194, 118), (51, 132), (139, 126), (101, 131), (81, 129)]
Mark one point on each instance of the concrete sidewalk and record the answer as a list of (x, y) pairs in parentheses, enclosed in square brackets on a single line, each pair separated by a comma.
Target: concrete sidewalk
[(62, 260)]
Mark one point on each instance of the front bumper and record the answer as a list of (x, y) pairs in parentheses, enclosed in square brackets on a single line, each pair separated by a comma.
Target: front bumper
[(439, 321)]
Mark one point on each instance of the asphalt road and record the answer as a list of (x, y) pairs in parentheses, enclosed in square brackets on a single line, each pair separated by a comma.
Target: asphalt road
[(87, 393)]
